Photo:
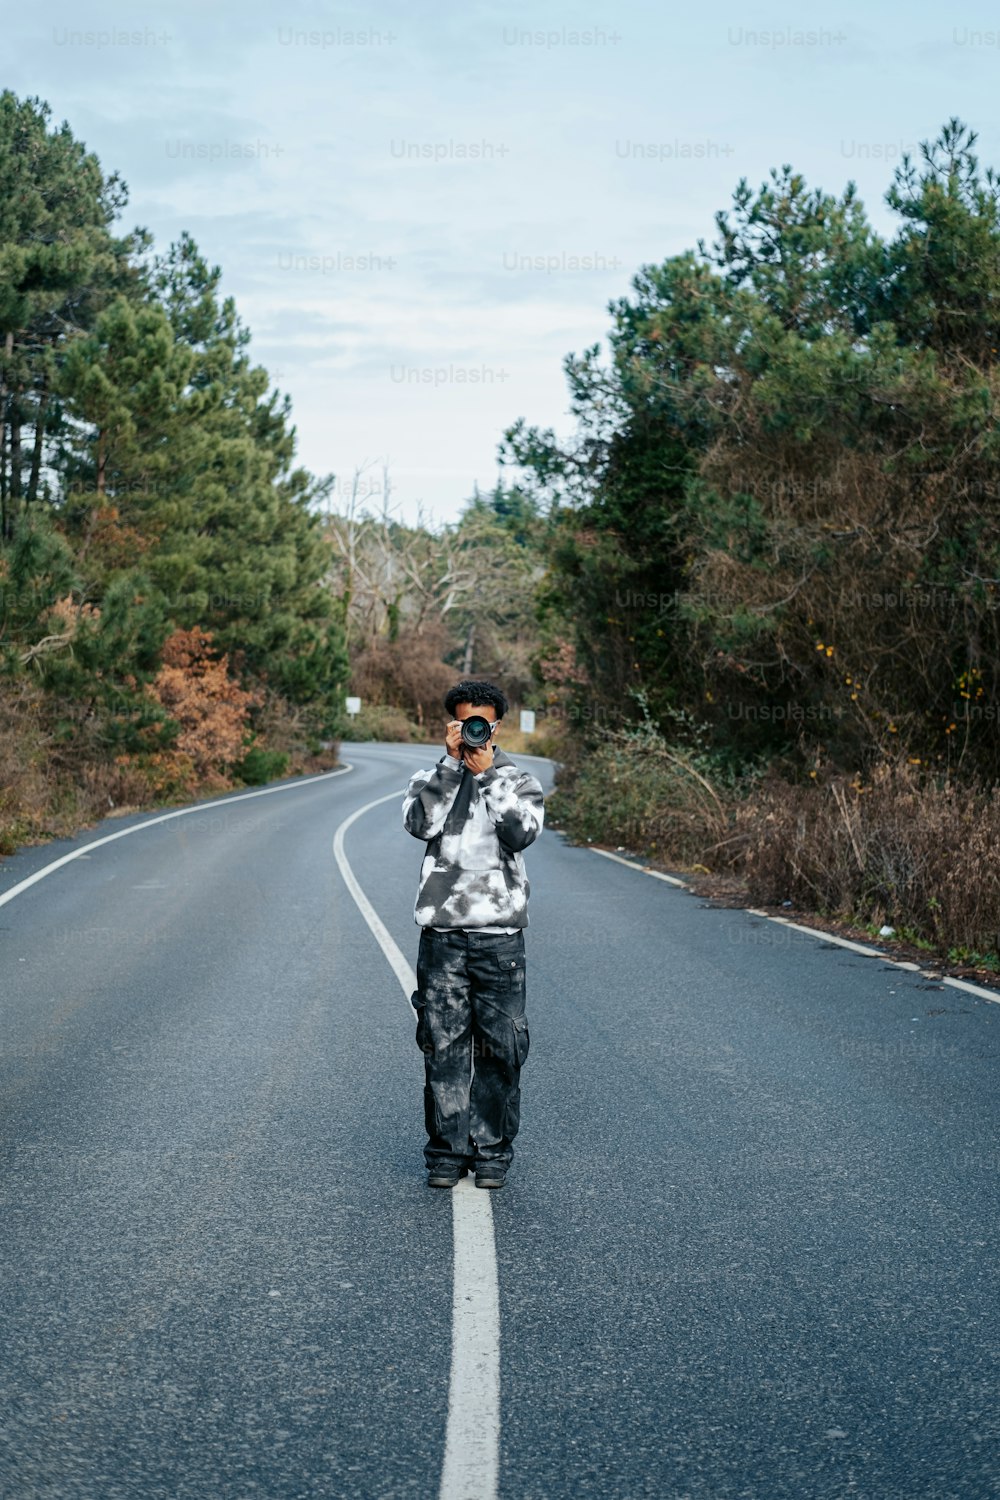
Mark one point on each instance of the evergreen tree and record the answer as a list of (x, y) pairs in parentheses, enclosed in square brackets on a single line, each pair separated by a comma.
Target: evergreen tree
[(240, 549), (779, 513), (59, 264)]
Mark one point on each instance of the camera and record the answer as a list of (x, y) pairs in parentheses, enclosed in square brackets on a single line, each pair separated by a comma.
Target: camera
[(476, 731)]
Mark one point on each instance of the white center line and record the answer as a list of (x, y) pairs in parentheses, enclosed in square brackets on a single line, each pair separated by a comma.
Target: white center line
[(472, 1436)]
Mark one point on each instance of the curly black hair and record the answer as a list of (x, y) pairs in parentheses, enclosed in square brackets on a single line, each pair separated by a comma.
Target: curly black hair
[(480, 694)]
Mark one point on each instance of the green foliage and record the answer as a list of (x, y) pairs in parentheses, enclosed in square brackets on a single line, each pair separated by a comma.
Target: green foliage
[(260, 766), (147, 472), (93, 661), (779, 511), (59, 265), (36, 570)]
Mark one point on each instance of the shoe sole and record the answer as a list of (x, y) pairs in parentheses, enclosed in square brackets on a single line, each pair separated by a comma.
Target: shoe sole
[(489, 1182)]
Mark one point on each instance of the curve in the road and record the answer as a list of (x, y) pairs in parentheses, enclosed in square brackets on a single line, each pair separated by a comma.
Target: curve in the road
[(179, 812)]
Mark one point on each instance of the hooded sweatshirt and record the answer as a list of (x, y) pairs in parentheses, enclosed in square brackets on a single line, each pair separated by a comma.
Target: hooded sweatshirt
[(474, 826)]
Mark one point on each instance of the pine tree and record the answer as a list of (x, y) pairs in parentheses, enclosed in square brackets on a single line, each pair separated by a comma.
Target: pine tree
[(240, 549), (59, 265)]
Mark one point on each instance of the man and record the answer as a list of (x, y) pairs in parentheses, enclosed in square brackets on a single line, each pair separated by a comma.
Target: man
[(476, 812)]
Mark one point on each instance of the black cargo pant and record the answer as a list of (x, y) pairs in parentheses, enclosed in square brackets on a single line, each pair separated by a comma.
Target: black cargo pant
[(470, 1004)]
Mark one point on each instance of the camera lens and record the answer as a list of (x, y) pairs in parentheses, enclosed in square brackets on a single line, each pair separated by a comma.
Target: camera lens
[(476, 730)]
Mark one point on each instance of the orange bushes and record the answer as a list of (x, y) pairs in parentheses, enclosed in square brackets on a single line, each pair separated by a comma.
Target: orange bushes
[(195, 689)]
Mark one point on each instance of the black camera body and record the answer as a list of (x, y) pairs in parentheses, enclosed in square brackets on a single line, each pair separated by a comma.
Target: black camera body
[(476, 731)]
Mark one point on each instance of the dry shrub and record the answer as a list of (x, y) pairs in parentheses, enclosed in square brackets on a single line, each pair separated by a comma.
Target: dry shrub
[(47, 795), (52, 786), (287, 729), (904, 849), (173, 777), (377, 721), (547, 739), (120, 785), (211, 708), (407, 673), (919, 853), (281, 724), (24, 774), (636, 790)]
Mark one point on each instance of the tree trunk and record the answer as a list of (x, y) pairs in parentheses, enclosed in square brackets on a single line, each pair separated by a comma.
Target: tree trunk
[(36, 454), (15, 444), (102, 458), (6, 514), (467, 662)]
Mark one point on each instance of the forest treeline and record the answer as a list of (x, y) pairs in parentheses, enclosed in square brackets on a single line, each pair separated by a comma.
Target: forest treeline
[(164, 600), (778, 536), (181, 609), (752, 596)]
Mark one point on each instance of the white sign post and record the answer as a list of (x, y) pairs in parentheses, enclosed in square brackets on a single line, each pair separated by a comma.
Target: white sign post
[(353, 706), (527, 721)]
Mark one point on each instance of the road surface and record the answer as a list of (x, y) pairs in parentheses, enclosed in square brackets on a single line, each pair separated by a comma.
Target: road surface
[(747, 1249)]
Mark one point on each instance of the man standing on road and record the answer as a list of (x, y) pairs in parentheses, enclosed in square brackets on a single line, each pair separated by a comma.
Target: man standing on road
[(476, 811)]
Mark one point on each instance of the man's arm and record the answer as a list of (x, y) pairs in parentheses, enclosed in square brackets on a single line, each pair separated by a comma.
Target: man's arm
[(516, 808), (429, 797)]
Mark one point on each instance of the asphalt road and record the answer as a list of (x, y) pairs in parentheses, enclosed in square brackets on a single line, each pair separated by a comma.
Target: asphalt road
[(747, 1249)]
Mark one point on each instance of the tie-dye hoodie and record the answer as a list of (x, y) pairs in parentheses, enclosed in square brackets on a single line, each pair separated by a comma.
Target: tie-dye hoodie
[(475, 827)]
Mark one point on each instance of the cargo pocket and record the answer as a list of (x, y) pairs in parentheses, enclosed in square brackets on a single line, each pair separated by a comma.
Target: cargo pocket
[(512, 1104), (521, 1038), (421, 1009), (512, 966)]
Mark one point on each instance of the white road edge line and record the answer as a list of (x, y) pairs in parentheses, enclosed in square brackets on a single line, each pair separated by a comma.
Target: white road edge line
[(470, 1470), (827, 937), (670, 879), (179, 812)]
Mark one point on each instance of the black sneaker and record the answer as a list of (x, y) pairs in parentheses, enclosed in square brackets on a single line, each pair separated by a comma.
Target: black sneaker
[(490, 1175), (445, 1174)]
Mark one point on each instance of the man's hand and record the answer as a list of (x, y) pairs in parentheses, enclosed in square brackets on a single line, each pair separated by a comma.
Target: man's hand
[(481, 759), (476, 760)]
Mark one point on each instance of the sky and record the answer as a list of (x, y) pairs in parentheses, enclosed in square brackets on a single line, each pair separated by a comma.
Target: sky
[(422, 210)]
